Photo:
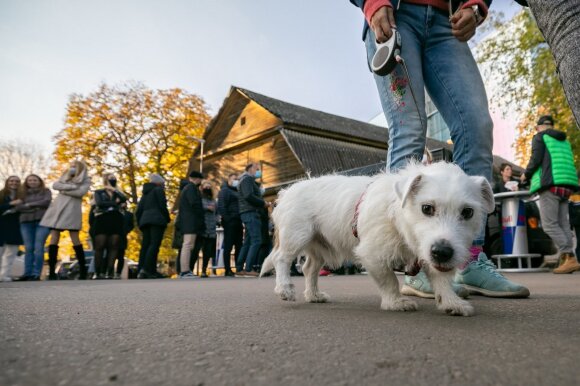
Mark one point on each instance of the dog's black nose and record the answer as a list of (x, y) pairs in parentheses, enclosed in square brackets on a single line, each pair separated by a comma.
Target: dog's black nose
[(441, 252)]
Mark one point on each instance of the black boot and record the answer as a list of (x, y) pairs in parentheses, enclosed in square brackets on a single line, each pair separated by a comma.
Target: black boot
[(52, 257), (80, 255)]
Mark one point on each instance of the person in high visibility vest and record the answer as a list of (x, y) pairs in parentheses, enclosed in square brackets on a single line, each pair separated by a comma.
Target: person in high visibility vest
[(552, 175)]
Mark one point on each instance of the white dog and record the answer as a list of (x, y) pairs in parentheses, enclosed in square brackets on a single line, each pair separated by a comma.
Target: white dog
[(423, 214)]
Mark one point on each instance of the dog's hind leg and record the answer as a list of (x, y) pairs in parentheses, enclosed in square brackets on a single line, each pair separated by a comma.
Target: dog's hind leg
[(388, 284), (311, 270), (284, 287), (445, 298)]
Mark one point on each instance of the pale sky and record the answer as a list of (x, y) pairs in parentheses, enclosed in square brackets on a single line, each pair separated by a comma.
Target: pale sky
[(307, 52)]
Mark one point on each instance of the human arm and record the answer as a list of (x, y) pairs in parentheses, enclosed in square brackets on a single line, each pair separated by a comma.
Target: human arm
[(79, 190), (538, 149), (42, 202), (246, 189), (63, 186), (224, 200), (162, 202)]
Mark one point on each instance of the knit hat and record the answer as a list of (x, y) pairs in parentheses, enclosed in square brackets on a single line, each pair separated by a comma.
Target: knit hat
[(195, 174), (546, 120), (155, 178)]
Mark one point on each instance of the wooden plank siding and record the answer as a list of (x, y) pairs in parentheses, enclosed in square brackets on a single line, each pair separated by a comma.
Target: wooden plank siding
[(240, 120), (279, 164)]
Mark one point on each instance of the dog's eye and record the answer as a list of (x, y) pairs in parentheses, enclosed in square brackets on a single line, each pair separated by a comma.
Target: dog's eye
[(428, 210), (467, 213)]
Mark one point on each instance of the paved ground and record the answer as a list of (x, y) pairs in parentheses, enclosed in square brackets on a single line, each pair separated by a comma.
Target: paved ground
[(235, 331)]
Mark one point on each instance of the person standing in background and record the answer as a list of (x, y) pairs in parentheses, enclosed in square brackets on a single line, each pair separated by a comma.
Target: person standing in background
[(33, 200), (191, 221), (152, 218), (128, 225), (10, 237), (552, 175), (107, 226), (207, 241), (229, 210), (251, 203), (65, 214)]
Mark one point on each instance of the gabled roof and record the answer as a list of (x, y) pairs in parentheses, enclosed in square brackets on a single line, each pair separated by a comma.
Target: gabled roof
[(322, 155), (302, 116)]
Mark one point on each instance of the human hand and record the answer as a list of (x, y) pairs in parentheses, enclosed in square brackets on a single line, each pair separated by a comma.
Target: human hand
[(16, 202), (382, 23), (523, 177), (463, 24)]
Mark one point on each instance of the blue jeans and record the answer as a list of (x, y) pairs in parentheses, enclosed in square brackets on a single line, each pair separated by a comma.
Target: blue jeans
[(252, 241), (445, 67), (34, 236)]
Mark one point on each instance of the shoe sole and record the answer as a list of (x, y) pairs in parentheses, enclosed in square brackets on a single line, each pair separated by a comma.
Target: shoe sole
[(410, 291), (523, 293)]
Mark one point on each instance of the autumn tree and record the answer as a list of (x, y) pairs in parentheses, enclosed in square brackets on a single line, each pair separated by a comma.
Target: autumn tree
[(21, 158), (132, 131), (517, 59)]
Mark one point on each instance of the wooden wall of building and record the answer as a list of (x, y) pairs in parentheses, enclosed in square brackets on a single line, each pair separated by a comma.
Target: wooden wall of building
[(279, 163)]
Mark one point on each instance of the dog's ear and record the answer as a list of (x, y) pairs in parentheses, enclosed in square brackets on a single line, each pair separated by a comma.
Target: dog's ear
[(486, 193), (408, 188)]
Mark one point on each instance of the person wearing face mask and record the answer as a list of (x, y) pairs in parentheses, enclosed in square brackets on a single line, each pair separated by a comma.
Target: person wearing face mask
[(206, 240), (32, 202), (191, 221), (65, 214), (10, 237), (152, 218), (107, 226), (229, 210), (251, 204)]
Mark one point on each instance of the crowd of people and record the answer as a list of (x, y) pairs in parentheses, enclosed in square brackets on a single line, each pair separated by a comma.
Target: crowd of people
[(29, 216)]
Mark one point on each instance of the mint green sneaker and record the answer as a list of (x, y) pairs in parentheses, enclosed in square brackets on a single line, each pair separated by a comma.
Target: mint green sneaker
[(420, 286), (481, 277)]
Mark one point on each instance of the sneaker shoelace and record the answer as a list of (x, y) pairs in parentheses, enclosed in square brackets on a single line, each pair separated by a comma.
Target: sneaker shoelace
[(487, 265)]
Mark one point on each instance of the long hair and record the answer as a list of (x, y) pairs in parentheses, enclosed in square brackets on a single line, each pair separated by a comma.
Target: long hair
[(24, 188), (80, 167), (6, 191)]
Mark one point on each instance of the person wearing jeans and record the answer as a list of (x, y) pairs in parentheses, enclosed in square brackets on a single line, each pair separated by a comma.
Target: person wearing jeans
[(229, 210), (32, 203), (434, 37), (250, 203)]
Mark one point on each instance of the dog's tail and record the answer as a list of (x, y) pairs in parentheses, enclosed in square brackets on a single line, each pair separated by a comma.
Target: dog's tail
[(267, 266)]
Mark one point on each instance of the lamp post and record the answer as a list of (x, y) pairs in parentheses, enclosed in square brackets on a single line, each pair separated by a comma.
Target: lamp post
[(201, 142)]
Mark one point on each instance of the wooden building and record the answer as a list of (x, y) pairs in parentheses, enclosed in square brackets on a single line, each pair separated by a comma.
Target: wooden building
[(291, 142)]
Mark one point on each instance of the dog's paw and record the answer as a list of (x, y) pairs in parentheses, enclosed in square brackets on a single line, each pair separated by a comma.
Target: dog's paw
[(318, 297), (457, 307), (399, 304), (286, 292)]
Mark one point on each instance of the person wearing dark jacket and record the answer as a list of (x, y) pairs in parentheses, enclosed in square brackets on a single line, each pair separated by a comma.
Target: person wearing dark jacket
[(191, 221), (152, 218), (206, 241), (553, 176), (177, 241), (10, 237), (128, 225), (107, 226), (229, 210), (251, 203), (505, 171)]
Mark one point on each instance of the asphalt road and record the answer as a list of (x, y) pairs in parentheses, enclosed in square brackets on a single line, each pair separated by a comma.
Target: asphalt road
[(235, 331)]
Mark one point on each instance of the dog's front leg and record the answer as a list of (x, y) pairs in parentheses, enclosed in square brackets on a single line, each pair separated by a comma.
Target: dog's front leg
[(388, 284), (445, 298)]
